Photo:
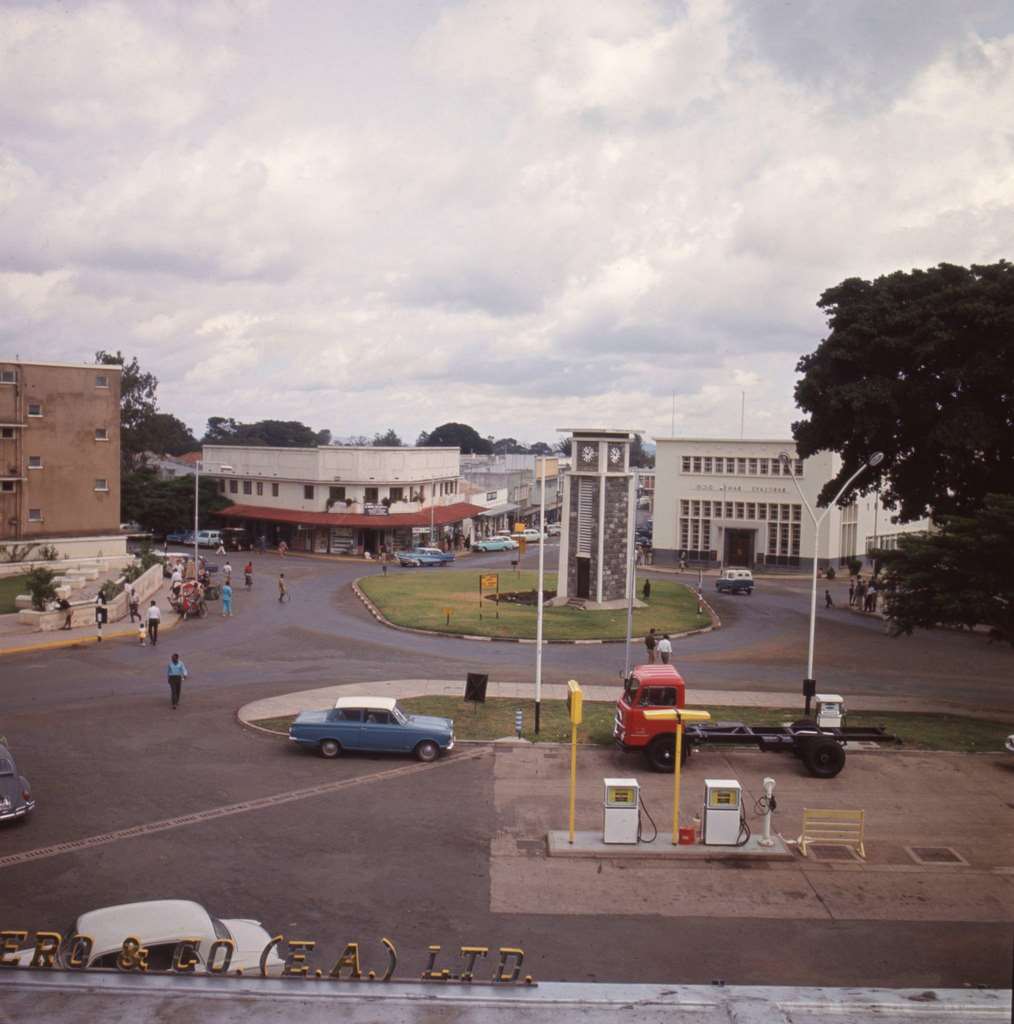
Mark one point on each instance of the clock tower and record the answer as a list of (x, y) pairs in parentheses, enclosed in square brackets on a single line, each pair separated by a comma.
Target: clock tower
[(597, 526)]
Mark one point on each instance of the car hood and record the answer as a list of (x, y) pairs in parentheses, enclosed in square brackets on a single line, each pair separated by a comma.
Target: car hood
[(311, 716), (251, 938), (431, 722)]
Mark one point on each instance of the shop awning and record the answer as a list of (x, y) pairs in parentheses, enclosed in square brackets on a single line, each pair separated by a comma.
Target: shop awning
[(442, 515), (499, 510)]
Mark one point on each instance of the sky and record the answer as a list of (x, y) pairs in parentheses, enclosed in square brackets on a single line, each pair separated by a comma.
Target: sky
[(519, 215)]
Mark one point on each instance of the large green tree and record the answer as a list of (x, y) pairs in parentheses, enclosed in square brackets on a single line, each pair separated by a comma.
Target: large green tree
[(165, 505), (137, 407), (264, 433), (456, 435), (168, 435), (389, 439), (920, 366), (960, 575)]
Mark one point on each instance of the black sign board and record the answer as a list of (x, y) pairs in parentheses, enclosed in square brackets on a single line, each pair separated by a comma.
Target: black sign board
[(475, 687)]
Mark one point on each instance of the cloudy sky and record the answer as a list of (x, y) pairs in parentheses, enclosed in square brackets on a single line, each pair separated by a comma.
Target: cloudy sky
[(519, 214)]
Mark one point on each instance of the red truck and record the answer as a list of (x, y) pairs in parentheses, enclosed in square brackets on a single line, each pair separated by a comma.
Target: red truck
[(822, 750)]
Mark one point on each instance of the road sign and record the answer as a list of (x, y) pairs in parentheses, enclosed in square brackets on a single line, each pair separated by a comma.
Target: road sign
[(489, 581)]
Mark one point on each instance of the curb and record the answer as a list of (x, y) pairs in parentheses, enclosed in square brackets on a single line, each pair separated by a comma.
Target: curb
[(716, 623), (80, 641)]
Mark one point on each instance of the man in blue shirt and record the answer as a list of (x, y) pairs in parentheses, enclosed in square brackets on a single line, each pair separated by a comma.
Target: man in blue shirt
[(177, 673)]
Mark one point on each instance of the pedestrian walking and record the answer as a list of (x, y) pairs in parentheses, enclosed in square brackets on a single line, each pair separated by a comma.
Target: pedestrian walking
[(64, 606), (134, 604), (227, 598), (101, 614), (646, 591), (828, 603), (154, 618), (852, 592), (220, 550), (177, 673), (650, 643), (227, 569), (665, 648), (282, 548), (141, 631), (283, 591), (248, 575)]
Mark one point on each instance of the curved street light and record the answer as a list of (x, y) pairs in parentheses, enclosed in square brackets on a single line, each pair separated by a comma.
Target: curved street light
[(809, 683)]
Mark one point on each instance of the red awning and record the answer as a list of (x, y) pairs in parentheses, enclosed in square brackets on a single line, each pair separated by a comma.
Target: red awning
[(442, 515)]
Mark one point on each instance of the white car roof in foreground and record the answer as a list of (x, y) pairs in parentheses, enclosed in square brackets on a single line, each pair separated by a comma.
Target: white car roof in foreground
[(376, 703), (152, 922)]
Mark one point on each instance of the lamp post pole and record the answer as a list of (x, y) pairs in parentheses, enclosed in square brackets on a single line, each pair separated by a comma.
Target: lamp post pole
[(197, 506), (538, 620), (810, 683)]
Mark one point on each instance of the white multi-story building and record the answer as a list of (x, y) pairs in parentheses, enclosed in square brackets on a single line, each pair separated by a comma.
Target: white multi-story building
[(732, 502), (342, 500)]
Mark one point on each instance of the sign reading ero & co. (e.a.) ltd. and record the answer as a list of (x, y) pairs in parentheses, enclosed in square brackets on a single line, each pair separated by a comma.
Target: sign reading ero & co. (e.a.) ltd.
[(295, 954)]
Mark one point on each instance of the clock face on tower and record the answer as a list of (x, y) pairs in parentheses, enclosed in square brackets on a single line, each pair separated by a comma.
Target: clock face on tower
[(588, 453), (615, 456)]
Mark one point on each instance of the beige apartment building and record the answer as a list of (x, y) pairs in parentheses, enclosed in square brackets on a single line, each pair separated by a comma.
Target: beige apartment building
[(59, 451)]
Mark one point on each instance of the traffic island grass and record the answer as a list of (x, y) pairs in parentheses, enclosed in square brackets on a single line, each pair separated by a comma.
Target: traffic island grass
[(420, 598), (495, 719), (10, 587)]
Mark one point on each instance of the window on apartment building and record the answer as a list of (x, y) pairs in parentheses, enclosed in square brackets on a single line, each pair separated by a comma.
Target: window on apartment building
[(491, 495), (34, 408), (248, 487), (686, 463), (763, 467), (370, 495), (308, 492), (695, 509), (336, 493), (697, 463), (784, 516), (797, 513), (706, 509), (274, 490), (101, 483), (776, 467), (35, 515), (751, 510), (233, 486), (684, 507), (707, 463), (7, 433), (728, 510), (7, 486), (8, 376), (260, 487), (101, 434), (741, 467), (752, 463), (799, 467), (101, 380), (35, 462), (221, 487), (739, 510), (397, 494)]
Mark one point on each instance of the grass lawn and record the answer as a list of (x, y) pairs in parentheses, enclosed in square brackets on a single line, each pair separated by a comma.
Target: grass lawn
[(418, 597), (10, 587), (495, 718)]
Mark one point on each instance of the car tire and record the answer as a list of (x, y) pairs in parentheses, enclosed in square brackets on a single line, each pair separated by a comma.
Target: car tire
[(825, 758), (329, 748), (427, 751)]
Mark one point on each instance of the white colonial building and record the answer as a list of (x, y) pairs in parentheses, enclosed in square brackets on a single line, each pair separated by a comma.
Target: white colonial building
[(338, 500), (732, 502)]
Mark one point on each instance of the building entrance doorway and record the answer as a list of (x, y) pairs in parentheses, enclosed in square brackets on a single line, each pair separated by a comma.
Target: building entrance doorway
[(583, 578), (738, 548)]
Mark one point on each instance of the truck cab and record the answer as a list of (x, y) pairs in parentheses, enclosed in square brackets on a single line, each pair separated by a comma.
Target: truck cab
[(649, 686)]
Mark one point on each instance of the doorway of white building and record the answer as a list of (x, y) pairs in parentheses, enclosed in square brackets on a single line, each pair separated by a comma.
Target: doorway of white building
[(739, 547)]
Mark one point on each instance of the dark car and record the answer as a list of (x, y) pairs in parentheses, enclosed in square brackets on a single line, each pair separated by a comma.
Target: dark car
[(16, 801), (374, 724)]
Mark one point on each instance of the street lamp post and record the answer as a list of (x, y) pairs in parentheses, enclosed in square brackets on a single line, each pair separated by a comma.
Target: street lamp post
[(809, 683), (197, 499), (538, 619)]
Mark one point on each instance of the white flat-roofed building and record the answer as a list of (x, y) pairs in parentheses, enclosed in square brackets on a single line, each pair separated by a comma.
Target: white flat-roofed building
[(731, 502), (340, 500)]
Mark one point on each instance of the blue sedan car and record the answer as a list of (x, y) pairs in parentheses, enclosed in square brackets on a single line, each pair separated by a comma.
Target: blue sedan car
[(493, 544), (373, 724), (419, 556)]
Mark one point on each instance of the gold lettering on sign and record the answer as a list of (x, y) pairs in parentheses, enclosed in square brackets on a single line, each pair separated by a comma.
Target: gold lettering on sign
[(295, 962), (506, 953), (220, 968), (392, 959), (133, 956), (80, 949), (431, 974), (350, 959), (470, 954), (266, 952), (10, 943), (185, 957), (47, 944)]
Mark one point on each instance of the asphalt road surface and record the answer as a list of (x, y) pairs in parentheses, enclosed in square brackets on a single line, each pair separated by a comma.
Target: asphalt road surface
[(407, 853)]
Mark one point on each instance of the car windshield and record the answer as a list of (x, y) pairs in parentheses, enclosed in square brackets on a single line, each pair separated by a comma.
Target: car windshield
[(399, 715)]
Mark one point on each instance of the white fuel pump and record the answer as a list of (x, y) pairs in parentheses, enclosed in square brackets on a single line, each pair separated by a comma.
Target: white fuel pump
[(621, 810), (723, 812), (830, 711)]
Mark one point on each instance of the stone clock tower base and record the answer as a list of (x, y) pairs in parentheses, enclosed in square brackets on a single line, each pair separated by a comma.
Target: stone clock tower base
[(597, 528)]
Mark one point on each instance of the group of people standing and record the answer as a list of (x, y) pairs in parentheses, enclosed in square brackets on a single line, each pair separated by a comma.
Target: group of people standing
[(863, 594), (662, 646)]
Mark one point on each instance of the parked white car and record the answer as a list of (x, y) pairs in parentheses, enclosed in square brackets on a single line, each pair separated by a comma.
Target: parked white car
[(160, 925)]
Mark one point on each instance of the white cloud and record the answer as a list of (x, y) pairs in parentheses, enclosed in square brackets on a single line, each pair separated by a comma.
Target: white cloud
[(512, 215)]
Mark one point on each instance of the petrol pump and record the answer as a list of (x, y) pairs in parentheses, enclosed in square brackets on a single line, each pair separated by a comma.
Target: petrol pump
[(621, 810), (723, 812), (830, 711)]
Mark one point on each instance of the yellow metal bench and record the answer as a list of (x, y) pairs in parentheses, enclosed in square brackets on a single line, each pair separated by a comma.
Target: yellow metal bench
[(832, 828)]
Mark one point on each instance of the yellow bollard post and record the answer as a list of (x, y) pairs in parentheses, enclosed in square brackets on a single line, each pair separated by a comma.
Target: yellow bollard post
[(574, 701)]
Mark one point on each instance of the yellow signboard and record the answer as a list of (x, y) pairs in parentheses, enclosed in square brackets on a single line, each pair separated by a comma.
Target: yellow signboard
[(489, 581)]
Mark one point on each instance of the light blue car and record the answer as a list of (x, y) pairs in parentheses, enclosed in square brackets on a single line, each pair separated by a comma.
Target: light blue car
[(493, 544), (374, 724)]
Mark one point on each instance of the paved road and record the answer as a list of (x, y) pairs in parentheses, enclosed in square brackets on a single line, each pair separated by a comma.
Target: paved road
[(409, 854)]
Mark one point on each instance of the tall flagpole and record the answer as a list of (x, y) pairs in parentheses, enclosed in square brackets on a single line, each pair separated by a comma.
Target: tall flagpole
[(538, 620)]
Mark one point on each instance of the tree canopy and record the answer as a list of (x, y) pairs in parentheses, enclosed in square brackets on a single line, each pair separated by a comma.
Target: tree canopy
[(165, 505), (264, 433), (456, 435), (389, 439), (961, 575), (920, 366), (168, 435), (137, 406)]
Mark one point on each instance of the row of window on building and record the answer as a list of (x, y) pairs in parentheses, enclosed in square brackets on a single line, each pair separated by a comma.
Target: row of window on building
[(783, 538), (11, 377), (371, 495), (7, 433), (739, 466), (754, 510), (7, 486)]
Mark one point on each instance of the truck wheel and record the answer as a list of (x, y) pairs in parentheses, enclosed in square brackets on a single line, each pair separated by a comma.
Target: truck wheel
[(824, 757), (661, 753)]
